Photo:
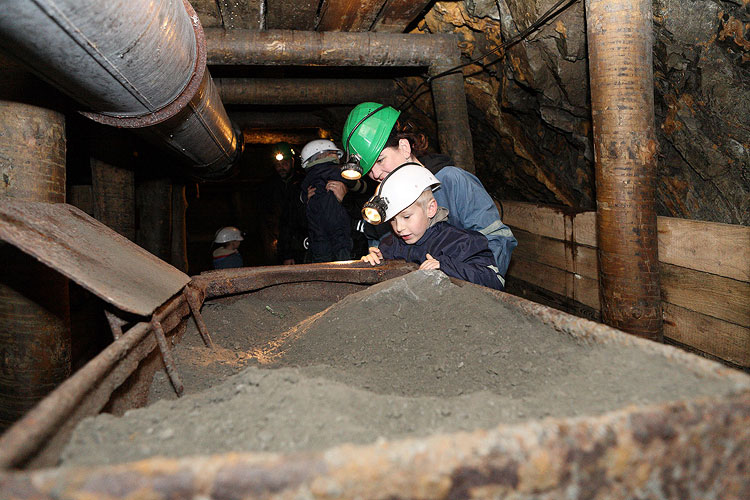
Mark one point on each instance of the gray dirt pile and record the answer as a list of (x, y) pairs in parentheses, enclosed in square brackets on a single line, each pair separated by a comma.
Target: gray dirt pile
[(409, 357)]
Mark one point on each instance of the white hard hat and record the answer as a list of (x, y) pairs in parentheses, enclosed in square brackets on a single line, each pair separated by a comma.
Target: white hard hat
[(312, 150), (227, 234), (398, 190)]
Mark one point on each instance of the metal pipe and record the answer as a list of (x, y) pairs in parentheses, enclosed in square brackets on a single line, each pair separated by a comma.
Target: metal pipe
[(299, 91), (300, 48), (321, 48), (133, 64), (620, 43)]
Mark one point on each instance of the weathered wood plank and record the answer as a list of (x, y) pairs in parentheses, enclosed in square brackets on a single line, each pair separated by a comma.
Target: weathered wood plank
[(348, 15), (722, 298), (712, 247), (291, 14), (398, 14), (569, 257), (208, 13), (716, 337), (576, 287), (552, 222), (721, 249), (240, 14)]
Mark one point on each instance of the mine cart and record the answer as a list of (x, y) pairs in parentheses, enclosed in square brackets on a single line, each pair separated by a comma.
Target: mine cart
[(694, 447)]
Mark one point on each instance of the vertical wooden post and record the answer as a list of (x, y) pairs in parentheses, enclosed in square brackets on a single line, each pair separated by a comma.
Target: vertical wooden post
[(35, 343), (451, 113), (154, 204), (179, 228), (114, 197), (620, 44)]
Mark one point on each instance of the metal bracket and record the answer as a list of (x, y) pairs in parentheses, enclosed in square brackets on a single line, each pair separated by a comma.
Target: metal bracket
[(166, 355), (115, 323), (193, 300)]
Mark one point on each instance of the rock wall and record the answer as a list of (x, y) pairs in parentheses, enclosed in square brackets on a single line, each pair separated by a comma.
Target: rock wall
[(530, 113)]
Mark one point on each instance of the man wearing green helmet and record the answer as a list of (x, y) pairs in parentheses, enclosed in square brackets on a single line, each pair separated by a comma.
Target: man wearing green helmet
[(375, 144)]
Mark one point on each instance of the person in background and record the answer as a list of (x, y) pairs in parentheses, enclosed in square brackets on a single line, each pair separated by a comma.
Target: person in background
[(292, 224), (328, 222), (421, 233), (227, 254), (283, 224), (376, 143)]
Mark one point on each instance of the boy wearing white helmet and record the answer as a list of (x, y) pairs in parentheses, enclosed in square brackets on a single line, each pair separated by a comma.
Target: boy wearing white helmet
[(227, 254), (421, 233), (329, 224)]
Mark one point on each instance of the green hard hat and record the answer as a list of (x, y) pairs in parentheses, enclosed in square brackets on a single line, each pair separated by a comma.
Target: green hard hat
[(282, 151), (368, 133)]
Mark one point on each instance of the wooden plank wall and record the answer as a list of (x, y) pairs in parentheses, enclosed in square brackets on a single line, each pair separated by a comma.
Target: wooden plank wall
[(705, 272)]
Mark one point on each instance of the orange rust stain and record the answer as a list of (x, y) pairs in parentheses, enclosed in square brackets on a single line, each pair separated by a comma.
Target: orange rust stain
[(735, 30)]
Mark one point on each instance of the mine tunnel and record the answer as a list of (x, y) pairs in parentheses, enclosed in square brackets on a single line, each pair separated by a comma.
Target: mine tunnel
[(611, 140)]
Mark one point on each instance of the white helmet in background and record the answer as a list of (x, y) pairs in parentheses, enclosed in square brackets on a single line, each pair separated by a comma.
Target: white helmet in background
[(227, 234), (313, 151), (398, 190)]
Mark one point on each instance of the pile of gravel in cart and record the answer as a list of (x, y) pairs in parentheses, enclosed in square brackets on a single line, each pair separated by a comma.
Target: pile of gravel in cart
[(409, 357)]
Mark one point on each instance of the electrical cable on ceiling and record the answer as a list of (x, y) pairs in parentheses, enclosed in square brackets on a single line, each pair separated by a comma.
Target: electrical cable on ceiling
[(559, 7)]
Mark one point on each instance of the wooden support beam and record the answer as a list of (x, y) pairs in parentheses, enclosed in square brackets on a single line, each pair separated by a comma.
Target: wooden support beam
[(397, 15), (348, 15), (620, 46), (291, 14), (239, 14)]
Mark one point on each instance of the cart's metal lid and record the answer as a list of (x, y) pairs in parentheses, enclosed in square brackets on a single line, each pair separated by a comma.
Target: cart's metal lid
[(90, 253)]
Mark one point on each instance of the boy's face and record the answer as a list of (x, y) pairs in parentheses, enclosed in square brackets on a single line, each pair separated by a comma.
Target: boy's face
[(411, 223)]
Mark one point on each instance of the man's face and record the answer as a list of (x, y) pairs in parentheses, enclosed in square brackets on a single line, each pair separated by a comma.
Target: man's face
[(283, 168), (411, 223)]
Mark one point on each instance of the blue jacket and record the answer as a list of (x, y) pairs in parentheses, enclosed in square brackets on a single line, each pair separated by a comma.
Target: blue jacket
[(462, 254), (469, 207)]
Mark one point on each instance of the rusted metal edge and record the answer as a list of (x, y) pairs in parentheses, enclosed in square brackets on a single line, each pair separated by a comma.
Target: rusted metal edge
[(232, 281), (635, 452), (24, 437)]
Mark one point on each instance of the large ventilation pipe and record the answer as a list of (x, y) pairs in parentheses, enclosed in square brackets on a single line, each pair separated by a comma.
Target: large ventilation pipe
[(303, 48), (620, 48), (132, 63)]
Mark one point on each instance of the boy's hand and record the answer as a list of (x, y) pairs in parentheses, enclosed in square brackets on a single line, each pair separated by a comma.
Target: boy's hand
[(374, 257), (430, 263)]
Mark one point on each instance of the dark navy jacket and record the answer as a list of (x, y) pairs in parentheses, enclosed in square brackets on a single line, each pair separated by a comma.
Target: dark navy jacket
[(462, 254)]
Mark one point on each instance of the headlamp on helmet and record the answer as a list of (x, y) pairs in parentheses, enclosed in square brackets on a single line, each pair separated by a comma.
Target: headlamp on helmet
[(398, 191), (283, 151), (365, 133)]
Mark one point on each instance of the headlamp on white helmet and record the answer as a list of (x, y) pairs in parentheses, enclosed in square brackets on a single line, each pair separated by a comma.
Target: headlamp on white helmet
[(319, 151), (398, 191)]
